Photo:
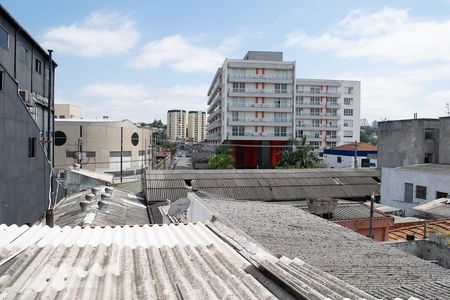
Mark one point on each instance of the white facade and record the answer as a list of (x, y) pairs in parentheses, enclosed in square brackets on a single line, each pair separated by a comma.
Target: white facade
[(342, 161), (176, 125), (261, 100), (407, 187), (196, 128)]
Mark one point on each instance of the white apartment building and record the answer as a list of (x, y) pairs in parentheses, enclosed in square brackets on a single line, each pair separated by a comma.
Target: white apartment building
[(196, 128), (67, 111), (257, 101), (176, 124)]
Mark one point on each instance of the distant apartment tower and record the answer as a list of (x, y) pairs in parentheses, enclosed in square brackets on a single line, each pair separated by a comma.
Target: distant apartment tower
[(196, 130), (176, 124), (67, 111), (258, 107), (26, 118)]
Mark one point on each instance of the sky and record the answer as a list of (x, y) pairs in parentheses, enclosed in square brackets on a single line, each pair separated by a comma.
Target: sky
[(137, 59)]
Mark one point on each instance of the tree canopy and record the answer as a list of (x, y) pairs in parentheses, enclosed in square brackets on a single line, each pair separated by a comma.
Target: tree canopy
[(302, 157), (221, 159)]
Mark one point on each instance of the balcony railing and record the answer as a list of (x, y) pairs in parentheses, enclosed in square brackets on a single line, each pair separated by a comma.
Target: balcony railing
[(260, 120), (331, 127), (260, 134), (260, 105), (260, 76), (333, 105), (310, 103), (260, 91), (319, 92), (308, 114)]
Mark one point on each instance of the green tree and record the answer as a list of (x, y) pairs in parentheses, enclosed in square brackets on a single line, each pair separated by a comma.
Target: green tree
[(221, 159), (302, 157)]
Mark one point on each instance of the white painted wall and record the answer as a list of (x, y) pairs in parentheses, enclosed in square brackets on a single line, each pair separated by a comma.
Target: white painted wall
[(393, 187), (330, 161)]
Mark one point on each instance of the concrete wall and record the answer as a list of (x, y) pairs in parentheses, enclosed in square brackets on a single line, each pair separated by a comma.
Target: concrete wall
[(402, 143), (426, 250), (393, 187), (331, 161), (444, 140), (24, 181), (76, 182), (67, 111)]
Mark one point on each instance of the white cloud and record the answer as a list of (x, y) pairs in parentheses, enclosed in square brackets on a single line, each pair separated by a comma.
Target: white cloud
[(387, 35), (179, 53), (139, 103), (101, 33)]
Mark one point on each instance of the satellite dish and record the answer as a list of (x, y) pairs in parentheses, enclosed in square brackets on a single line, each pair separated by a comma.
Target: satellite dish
[(179, 206)]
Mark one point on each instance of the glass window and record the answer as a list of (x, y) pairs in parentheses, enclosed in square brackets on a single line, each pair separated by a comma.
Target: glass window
[(239, 87), (280, 117), (280, 88), (348, 112), (348, 101), (348, 90), (60, 137), (408, 192), (280, 131), (300, 88), (429, 133), (299, 100), (339, 159), (421, 192), (441, 195), (135, 139), (238, 131), (23, 54), (38, 66), (4, 38), (31, 147), (348, 123), (332, 90), (428, 158), (348, 133), (315, 90), (315, 100)]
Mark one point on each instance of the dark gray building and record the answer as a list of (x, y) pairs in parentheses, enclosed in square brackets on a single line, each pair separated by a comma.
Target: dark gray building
[(26, 124), (410, 142)]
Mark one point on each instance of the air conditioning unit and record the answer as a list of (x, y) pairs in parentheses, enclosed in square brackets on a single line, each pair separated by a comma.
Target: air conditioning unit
[(27, 97)]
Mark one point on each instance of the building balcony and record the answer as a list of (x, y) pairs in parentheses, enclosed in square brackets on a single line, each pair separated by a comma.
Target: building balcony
[(214, 136), (214, 96), (306, 115), (311, 137), (264, 136), (313, 93), (318, 127), (260, 107), (270, 93), (214, 124), (333, 105), (310, 104), (260, 78), (332, 138), (214, 113), (260, 121)]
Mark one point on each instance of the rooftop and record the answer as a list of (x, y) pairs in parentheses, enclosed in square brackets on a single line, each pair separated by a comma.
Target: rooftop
[(359, 147), (350, 211), (263, 185), (439, 207), (371, 266), (107, 178), (123, 209), (439, 169), (399, 232)]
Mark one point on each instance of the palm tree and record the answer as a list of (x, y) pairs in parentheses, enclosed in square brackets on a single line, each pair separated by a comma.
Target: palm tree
[(302, 157), (221, 159)]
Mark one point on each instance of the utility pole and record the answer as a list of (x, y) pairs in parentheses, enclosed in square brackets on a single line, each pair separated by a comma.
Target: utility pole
[(372, 199), (356, 155)]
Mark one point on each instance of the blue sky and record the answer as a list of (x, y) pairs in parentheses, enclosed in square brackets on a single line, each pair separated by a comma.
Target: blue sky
[(137, 59)]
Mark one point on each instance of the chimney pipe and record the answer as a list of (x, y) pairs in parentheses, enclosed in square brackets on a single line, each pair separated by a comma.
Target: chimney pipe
[(49, 217)]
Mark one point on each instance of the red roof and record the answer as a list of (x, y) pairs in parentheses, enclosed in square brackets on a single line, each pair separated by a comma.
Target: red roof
[(360, 147), (399, 231)]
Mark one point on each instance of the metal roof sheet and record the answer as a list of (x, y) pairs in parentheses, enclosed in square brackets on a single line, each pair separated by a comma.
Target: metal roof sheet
[(399, 231), (123, 209), (157, 262), (263, 185), (350, 211)]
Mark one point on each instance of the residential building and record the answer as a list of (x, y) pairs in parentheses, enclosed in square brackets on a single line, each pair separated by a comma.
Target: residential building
[(411, 142), (344, 156), (176, 124), (196, 128), (102, 145), (27, 75), (410, 186), (67, 111), (257, 107), (435, 209)]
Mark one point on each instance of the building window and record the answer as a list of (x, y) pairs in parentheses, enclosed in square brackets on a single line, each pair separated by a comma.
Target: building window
[(315, 90), (300, 88), (348, 123), (60, 138), (428, 158), (441, 195), (421, 192), (348, 101), (339, 159), (429, 133), (280, 131), (38, 66), (348, 112), (135, 139), (280, 117), (239, 87), (314, 145), (280, 88), (31, 147), (4, 38), (365, 163), (348, 133), (23, 54), (238, 131), (348, 90), (409, 192)]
